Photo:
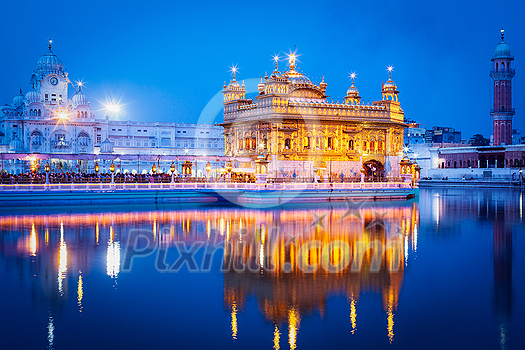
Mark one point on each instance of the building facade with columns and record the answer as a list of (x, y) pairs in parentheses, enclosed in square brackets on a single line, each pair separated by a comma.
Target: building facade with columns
[(291, 124), (55, 117)]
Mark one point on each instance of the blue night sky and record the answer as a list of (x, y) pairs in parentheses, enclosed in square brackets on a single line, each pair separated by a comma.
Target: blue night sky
[(166, 60)]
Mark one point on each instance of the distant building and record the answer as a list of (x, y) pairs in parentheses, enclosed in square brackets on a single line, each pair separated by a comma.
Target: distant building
[(517, 137), (415, 134), (440, 134)]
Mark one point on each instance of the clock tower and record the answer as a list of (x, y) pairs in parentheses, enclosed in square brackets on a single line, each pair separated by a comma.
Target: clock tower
[(51, 80)]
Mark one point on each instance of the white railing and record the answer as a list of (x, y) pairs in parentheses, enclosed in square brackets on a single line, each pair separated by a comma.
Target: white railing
[(205, 186)]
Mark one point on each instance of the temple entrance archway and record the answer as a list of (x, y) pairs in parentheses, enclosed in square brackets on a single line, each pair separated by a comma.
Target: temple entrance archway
[(374, 170)]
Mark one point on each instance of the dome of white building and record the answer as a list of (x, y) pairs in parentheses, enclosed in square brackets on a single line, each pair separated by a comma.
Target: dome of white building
[(80, 99), (50, 61), (32, 96), (18, 100)]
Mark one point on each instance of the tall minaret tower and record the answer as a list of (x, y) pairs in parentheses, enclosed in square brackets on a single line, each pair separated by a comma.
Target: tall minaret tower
[(502, 75)]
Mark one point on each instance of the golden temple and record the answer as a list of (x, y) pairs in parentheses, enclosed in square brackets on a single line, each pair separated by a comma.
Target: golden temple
[(291, 129)]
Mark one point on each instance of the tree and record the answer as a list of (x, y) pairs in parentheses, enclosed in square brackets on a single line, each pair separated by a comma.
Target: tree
[(479, 140)]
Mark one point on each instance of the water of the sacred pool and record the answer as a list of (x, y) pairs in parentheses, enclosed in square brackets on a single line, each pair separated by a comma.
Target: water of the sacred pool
[(443, 270)]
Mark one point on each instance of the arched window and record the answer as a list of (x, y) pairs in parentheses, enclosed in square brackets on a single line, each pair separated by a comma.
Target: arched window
[(442, 165), (78, 114), (500, 161), (502, 66), (496, 67), (372, 146), (468, 163), (330, 143), (39, 112), (351, 145), (455, 165), (287, 144)]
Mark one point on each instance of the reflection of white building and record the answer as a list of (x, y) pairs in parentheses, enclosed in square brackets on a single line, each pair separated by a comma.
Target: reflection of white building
[(46, 120)]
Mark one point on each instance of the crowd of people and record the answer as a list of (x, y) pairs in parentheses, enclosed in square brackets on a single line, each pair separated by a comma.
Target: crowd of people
[(72, 177)]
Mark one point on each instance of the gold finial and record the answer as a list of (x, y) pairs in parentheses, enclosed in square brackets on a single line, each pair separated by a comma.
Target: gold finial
[(234, 70), (502, 33), (353, 76), (390, 69), (50, 41), (276, 59), (292, 57), (20, 90)]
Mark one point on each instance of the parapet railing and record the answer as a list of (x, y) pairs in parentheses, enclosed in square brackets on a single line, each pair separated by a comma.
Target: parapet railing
[(214, 186)]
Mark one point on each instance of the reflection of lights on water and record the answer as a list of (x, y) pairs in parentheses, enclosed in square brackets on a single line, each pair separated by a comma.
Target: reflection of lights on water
[(406, 249), (113, 255), (50, 332), (113, 259), (234, 321), (97, 233), (62, 260), (435, 208), (276, 338), (390, 326), (414, 239), (521, 205), (221, 226), (353, 315), (32, 241), (80, 293), (154, 229), (208, 228), (47, 237), (293, 325), (503, 335)]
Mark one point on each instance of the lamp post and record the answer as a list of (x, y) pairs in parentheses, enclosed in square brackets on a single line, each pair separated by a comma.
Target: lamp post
[(112, 169), (229, 168), (172, 168), (97, 168), (208, 168), (46, 167)]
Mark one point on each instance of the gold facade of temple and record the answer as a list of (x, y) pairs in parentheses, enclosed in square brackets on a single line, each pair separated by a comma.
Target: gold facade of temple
[(291, 123)]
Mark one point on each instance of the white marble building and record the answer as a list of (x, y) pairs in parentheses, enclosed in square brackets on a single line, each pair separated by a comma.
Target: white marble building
[(50, 120)]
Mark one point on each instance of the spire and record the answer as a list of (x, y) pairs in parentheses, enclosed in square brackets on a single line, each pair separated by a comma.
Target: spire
[(390, 69), (234, 70), (50, 41), (292, 58), (502, 34), (352, 76), (20, 90), (276, 60)]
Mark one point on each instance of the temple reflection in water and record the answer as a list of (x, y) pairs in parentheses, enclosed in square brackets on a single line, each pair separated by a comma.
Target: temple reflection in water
[(363, 275), (291, 260)]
